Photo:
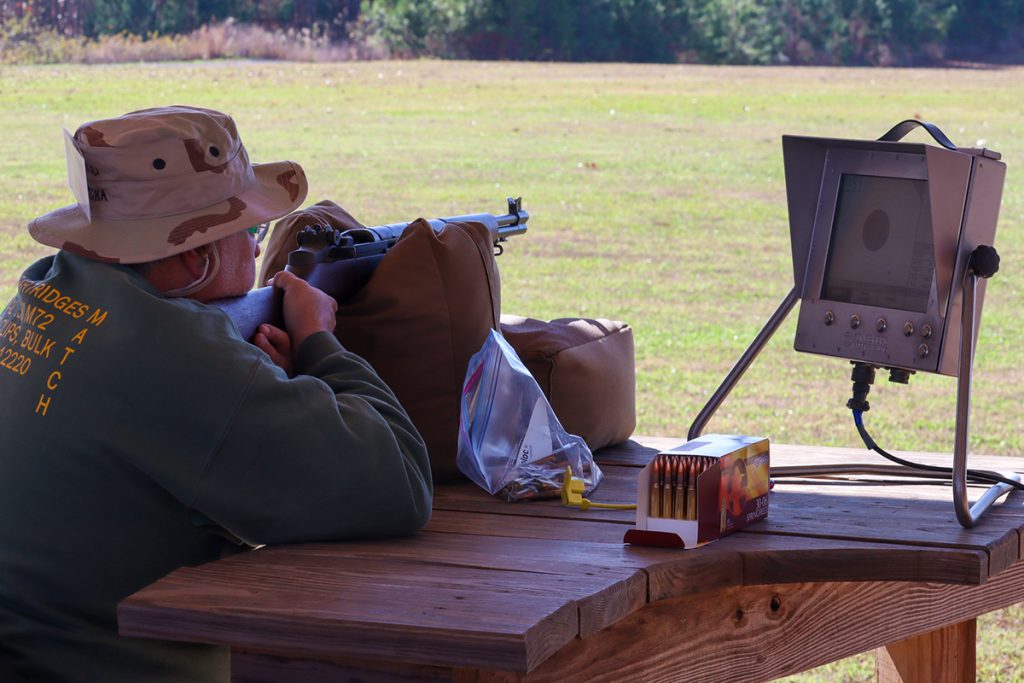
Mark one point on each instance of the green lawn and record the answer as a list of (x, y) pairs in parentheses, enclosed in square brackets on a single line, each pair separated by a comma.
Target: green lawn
[(656, 195)]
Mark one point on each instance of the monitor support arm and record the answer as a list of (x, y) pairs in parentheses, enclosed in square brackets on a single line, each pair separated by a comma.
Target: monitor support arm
[(743, 363), (983, 264)]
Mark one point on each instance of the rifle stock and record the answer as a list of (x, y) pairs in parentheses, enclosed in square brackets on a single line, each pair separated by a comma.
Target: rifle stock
[(340, 262)]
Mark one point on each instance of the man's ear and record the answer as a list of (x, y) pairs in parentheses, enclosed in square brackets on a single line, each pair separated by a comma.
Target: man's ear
[(197, 261)]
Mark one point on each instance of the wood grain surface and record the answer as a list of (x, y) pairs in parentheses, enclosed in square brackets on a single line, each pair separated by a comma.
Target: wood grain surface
[(764, 632), (494, 591)]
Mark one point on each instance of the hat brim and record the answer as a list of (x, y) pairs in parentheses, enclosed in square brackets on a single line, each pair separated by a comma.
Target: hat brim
[(279, 189)]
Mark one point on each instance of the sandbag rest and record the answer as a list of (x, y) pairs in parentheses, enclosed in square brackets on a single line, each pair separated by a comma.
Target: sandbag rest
[(428, 308)]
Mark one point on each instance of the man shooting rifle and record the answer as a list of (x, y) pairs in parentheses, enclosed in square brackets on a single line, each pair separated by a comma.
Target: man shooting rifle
[(142, 433)]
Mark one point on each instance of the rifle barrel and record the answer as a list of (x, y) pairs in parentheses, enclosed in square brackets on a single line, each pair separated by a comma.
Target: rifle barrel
[(500, 227)]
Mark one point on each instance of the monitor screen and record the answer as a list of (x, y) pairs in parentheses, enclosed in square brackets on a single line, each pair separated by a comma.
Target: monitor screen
[(881, 251)]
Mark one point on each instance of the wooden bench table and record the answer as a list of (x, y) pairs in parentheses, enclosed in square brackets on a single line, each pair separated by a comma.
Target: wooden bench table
[(493, 591)]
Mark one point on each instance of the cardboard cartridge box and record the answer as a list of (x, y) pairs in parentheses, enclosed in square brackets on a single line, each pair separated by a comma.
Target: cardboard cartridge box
[(702, 490)]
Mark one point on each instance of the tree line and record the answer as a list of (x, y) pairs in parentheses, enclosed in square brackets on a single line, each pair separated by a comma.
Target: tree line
[(852, 32), (94, 18)]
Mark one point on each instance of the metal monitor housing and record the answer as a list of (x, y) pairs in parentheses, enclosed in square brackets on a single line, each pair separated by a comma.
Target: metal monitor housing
[(963, 188), (907, 302)]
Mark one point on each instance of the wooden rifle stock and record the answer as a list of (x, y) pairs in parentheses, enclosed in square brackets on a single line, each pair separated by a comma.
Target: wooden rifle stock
[(340, 262)]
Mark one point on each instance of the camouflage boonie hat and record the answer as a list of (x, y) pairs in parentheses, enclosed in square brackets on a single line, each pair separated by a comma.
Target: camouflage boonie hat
[(163, 181)]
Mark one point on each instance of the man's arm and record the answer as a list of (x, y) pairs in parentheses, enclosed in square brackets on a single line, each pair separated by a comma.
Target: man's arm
[(329, 454)]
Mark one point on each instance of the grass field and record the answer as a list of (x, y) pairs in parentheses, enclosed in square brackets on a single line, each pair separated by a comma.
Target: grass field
[(656, 196)]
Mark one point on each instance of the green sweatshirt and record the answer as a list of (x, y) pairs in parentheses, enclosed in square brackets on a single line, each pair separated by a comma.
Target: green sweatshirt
[(141, 434)]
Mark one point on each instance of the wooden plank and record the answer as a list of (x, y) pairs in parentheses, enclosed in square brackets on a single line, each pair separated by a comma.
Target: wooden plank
[(639, 450), (524, 555), (762, 558), (759, 633), (553, 528), (938, 514), (796, 454), (716, 637), (945, 655), (905, 515), (320, 610), (604, 581), (793, 559), (669, 572), (480, 676), (1005, 553), (922, 550), (449, 584), (283, 635), (635, 452), (923, 515), (619, 486), (766, 559), (882, 514), (254, 667), (769, 559)]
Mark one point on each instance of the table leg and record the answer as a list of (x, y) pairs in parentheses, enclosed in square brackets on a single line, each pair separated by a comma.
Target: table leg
[(945, 655)]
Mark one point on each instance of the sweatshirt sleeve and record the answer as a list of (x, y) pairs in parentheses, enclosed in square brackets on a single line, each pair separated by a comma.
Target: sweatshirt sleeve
[(327, 455)]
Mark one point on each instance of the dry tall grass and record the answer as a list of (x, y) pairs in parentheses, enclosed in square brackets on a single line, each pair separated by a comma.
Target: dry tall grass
[(22, 43)]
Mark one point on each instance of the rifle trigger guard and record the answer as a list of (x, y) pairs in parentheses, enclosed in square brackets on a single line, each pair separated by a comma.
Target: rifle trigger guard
[(498, 249)]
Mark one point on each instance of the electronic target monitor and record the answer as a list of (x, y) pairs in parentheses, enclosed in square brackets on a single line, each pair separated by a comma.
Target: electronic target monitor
[(891, 249), (881, 233)]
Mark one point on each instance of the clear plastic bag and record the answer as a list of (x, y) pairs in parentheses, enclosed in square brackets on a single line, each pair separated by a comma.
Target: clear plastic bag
[(510, 442)]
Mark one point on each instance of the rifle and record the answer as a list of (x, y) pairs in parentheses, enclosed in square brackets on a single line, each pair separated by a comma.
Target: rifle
[(340, 262)]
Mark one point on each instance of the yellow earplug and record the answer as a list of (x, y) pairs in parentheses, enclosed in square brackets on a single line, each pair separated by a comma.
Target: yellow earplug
[(572, 495)]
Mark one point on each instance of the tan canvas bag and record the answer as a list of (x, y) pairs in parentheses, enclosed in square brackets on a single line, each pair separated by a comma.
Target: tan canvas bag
[(586, 368), (427, 308)]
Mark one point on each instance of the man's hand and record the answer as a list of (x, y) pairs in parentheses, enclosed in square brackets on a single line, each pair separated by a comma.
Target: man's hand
[(276, 343), (307, 310)]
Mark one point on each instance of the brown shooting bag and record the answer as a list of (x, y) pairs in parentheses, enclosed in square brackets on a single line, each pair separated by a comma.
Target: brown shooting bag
[(428, 308)]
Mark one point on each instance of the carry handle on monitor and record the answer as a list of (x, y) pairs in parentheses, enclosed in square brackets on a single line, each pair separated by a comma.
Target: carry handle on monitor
[(896, 133)]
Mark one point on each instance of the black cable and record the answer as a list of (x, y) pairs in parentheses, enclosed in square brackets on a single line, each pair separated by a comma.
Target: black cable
[(978, 476), (984, 263), (863, 377)]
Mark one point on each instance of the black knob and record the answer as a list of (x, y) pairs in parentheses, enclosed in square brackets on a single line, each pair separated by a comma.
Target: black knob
[(984, 261)]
